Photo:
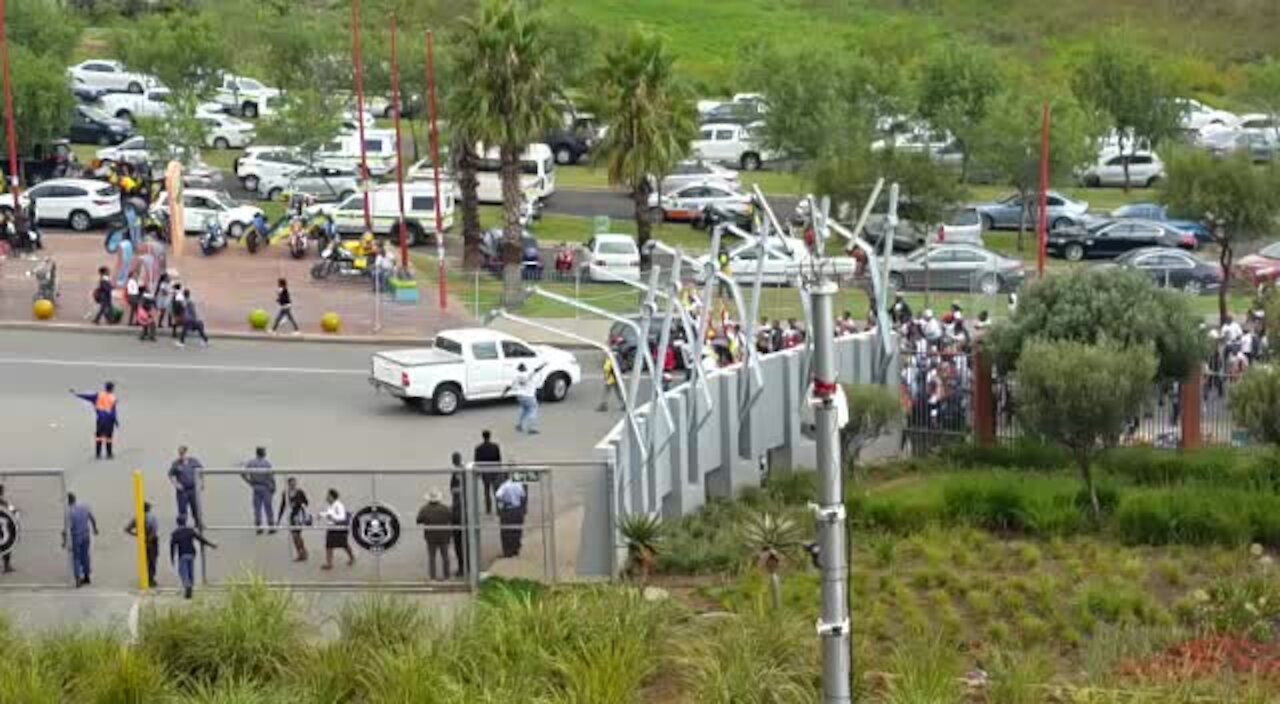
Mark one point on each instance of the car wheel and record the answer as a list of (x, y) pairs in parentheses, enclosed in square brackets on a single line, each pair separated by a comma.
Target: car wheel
[(750, 161), (989, 285), (80, 221), (235, 229), (125, 115), (564, 155), (135, 87), (556, 387), (896, 281), (414, 234), (343, 196), (1073, 252), (389, 112), (1151, 182), (1060, 223), (250, 183), (1092, 181), (221, 143), (249, 110), (103, 140), (320, 270), (1192, 287), (657, 215), (274, 194), (446, 400), (988, 223)]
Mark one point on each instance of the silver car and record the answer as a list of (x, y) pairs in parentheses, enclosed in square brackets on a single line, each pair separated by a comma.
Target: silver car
[(323, 183), (956, 267), (1006, 214)]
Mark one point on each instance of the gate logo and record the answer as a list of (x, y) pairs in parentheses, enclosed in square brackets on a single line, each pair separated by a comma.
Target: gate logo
[(10, 531), (375, 528)]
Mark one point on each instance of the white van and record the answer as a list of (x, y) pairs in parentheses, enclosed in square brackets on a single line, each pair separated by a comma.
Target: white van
[(537, 174), (344, 152), (384, 211)]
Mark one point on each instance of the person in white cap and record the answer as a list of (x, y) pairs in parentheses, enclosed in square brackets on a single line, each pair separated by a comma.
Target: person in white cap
[(932, 328), (436, 519)]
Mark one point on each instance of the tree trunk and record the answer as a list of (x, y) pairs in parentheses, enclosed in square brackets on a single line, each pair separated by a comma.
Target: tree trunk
[(509, 155), (468, 185), (775, 590), (1022, 220), (1225, 256), (644, 226), (1125, 163), (1086, 473)]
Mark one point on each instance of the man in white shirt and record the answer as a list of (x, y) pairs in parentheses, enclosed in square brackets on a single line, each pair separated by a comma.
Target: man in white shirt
[(1231, 331), (512, 501), (932, 328), (525, 388)]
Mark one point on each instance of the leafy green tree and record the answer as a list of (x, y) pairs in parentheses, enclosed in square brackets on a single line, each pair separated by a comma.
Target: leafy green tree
[(651, 119), (506, 100), (41, 102), (180, 130), (185, 50), (42, 27), (1255, 403), (1093, 305), (1082, 396), (1262, 88), (306, 121), (873, 411), (1237, 200), (956, 85), (290, 46), (1121, 81), (848, 177), (1007, 142)]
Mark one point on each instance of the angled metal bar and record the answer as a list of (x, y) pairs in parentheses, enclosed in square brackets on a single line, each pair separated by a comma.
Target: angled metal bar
[(647, 309)]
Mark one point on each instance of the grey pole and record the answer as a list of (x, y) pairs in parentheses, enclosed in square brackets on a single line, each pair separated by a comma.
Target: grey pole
[(833, 626)]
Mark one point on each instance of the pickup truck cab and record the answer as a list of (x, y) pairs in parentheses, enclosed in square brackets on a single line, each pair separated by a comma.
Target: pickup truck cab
[(470, 364), (152, 102)]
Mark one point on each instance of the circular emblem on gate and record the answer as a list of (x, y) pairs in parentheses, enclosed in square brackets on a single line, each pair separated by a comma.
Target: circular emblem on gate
[(10, 530), (375, 527)]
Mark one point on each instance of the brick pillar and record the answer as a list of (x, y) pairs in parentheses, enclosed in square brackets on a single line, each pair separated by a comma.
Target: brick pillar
[(984, 401), (1192, 401)]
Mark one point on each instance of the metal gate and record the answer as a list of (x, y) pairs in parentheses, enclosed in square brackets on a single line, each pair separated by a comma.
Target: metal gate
[(32, 533)]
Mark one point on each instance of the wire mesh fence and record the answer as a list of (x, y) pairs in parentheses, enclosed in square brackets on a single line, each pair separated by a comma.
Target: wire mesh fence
[(34, 514)]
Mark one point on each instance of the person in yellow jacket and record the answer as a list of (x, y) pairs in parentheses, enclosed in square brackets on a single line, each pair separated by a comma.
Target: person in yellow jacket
[(611, 388)]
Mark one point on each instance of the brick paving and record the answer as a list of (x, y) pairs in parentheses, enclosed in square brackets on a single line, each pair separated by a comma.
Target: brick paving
[(227, 287)]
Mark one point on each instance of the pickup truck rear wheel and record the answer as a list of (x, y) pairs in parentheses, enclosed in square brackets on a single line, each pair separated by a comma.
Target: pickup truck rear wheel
[(446, 399), (556, 387)]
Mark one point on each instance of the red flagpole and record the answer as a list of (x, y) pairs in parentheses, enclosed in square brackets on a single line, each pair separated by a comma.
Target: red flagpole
[(10, 130), (435, 169), (1044, 191), (395, 100), (358, 64)]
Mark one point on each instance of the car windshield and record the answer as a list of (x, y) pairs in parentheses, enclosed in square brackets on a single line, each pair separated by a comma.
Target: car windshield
[(1271, 251), (615, 248), (448, 345), (95, 113), (223, 199), (249, 84), (967, 216), (1097, 227)]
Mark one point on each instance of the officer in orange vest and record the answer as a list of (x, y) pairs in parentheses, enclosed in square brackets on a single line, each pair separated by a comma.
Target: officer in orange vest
[(105, 406)]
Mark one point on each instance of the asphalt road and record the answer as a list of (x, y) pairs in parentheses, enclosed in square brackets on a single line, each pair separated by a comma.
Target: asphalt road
[(309, 404)]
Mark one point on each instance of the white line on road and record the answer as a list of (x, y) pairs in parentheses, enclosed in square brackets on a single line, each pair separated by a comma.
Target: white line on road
[(180, 367)]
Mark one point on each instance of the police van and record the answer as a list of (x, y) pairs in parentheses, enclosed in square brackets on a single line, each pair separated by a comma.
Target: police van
[(384, 211)]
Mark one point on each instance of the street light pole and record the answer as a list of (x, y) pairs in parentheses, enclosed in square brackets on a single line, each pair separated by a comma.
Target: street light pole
[(395, 100), (10, 130), (358, 66), (435, 169)]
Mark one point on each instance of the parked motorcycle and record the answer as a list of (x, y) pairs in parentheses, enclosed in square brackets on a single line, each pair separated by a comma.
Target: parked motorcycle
[(213, 240), (339, 260)]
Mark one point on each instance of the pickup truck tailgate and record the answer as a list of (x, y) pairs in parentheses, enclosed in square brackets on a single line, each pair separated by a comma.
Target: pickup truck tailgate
[(389, 369)]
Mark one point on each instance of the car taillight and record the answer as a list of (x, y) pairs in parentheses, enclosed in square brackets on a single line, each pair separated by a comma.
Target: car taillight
[(404, 379), (1189, 240), (601, 262)]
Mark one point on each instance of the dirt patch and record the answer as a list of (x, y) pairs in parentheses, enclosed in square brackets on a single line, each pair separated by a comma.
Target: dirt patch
[(1209, 657)]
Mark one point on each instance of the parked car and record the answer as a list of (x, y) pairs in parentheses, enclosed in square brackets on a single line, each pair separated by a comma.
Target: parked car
[(324, 184), (260, 163), (491, 246), (384, 207), (199, 205), (133, 150), (961, 225), (938, 144), (109, 75), (1196, 115), (1159, 213), (343, 152), (1174, 268), (226, 132), (686, 202), (1263, 267), (241, 95), (780, 264), (1259, 148), (1145, 169), (78, 203), (1111, 238), (696, 170), (471, 364), (85, 93), (743, 112), (1006, 214), (612, 257), (151, 102), (91, 125), (349, 120), (730, 143), (956, 267)]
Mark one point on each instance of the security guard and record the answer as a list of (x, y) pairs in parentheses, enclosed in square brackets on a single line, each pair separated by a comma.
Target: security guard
[(107, 419), (610, 385)]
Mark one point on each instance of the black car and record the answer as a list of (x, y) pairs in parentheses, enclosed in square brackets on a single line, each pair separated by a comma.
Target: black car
[(1106, 239), (491, 243), (1174, 268), (91, 125)]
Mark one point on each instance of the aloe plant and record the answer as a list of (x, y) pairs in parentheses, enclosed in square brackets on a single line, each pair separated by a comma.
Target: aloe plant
[(771, 538), (644, 534)]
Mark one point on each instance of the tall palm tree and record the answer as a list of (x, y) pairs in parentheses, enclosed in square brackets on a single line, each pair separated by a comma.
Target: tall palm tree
[(506, 99), (651, 119)]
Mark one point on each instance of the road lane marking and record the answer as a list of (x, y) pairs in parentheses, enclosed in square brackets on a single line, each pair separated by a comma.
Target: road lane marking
[(202, 367)]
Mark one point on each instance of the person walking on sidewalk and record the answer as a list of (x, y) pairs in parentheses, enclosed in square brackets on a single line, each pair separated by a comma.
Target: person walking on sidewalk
[(102, 296), (80, 522), (182, 474), (147, 315), (106, 418), (182, 553), (191, 322), (260, 479), (296, 500), (435, 519), (133, 296), (525, 388), (164, 299), (12, 510), (285, 302), (512, 498), (488, 453), (458, 488), (336, 538), (177, 310), (152, 528)]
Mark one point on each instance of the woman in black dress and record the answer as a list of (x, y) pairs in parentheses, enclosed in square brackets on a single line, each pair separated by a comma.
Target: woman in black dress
[(296, 501), (335, 515)]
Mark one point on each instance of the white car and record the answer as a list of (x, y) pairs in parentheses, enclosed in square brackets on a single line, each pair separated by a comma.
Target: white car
[(349, 120), (1197, 116), (471, 364), (109, 75), (344, 152), (241, 95), (612, 257), (133, 150), (730, 143), (686, 202), (695, 170), (918, 141), (324, 184), (199, 205), (260, 163), (1145, 169), (151, 102), (785, 258), (76, 202), (384, 211), (226, 132)]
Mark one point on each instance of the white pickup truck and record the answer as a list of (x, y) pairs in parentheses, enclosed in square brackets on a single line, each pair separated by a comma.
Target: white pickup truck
[(470, 364)]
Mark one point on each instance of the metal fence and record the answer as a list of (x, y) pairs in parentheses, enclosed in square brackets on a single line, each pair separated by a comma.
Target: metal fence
[(34, 529)]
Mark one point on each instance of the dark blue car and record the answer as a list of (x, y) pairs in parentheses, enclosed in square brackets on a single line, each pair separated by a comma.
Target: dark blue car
[(1158, 213)]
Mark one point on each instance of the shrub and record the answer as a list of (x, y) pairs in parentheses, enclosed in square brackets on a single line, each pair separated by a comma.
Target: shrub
[(1180, 516), (497, 589), (749, 658), (792, 488), (127, 677), (1224, 467), (380, 622), (1022, 453)]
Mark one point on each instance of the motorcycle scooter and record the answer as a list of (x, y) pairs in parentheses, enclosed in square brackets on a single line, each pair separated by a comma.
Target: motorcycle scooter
[(339, 260), (213, 240)]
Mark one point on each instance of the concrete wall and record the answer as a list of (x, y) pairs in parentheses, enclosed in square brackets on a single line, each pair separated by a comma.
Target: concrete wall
[(715, 450)]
